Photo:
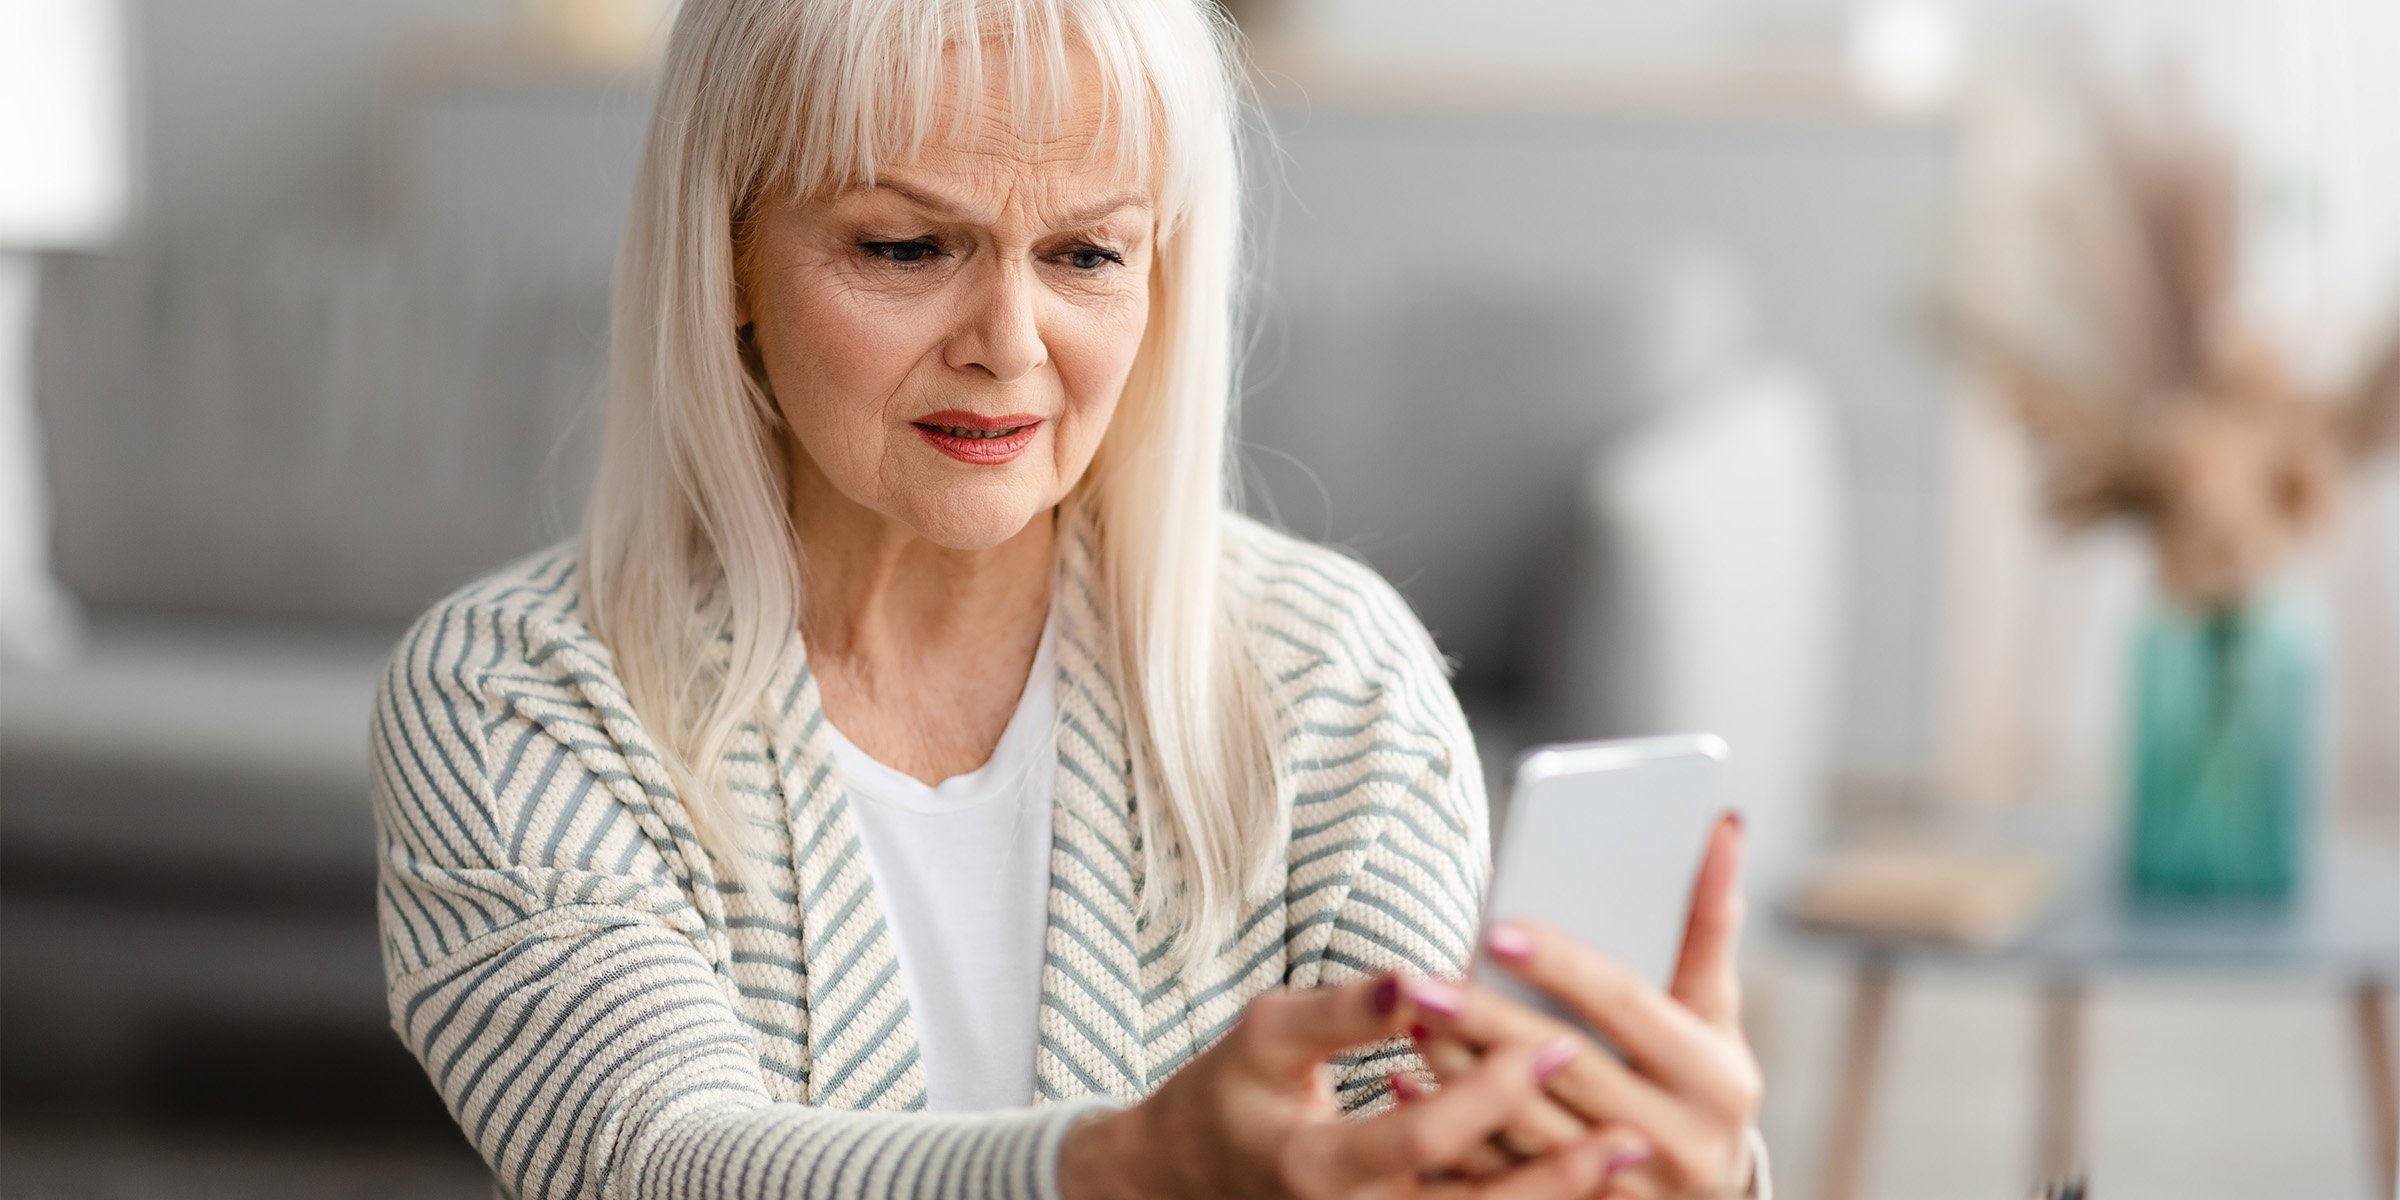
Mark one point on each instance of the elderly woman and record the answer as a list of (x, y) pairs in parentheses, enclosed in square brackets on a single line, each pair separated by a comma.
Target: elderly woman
[(916, 781)]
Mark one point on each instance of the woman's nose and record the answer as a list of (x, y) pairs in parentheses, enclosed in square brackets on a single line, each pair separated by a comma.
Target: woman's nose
[(1000, 333)]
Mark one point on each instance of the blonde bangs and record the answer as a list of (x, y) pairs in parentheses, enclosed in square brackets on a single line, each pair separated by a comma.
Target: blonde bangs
[(841, 101)]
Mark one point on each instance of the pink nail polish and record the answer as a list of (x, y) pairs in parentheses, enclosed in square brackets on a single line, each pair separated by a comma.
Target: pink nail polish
[(1508, 942), (1554, 1056), (1386, 995), (1438, 996), (1624, 1160)]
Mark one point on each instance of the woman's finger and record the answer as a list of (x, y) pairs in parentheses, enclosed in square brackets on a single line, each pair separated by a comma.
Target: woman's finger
[(1713, 1168), (1687, 1145), (1432, 1132), (1289, 1032), (1542, 1125), (1665, 1041), (1594, 1085), (1597, 1087), (1707, 978), (1578, 1170)]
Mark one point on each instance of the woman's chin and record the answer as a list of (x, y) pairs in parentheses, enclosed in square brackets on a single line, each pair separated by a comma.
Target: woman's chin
[(976, 522)]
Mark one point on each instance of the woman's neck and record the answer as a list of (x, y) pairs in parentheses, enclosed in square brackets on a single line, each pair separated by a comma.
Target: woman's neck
[(871, 583), (920, 651)]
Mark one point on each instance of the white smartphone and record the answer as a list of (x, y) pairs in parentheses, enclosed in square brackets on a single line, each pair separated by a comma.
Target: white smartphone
[(1604, 840)]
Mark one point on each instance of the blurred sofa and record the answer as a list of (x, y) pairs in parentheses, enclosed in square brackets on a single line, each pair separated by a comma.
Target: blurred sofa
[(267, 452), (1612, 506)]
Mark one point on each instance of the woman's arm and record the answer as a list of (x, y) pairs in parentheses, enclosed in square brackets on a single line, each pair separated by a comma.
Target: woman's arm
[(1414, 905), (549, 972), (1390, 763)]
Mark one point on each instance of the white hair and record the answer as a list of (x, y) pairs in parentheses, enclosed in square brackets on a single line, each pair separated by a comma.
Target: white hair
[(688, 538)]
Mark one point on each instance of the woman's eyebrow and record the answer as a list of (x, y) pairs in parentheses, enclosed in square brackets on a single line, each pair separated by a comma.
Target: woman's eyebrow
[(1094, 213), (1090, 214)]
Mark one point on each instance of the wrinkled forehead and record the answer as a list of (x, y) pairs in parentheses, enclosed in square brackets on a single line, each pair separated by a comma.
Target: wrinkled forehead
[(1014, 98), (1056, 129)]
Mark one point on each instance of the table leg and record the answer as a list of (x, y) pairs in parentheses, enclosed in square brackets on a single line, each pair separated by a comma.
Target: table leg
[(1845, 1143), (2061, 1117), (2383, 1087)]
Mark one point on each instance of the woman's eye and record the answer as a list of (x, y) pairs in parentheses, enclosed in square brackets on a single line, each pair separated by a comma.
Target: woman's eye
[(901, 252), (1090, 258)]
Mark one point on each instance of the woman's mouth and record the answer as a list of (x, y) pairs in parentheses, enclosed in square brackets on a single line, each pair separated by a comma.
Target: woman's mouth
[(961, 431), (972, 438)]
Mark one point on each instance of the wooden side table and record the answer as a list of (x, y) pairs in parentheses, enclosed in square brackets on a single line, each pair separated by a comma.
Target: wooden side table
[(2342, 932)]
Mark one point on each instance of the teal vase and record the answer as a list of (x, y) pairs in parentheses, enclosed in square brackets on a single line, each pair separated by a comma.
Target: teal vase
[(2224, 762)]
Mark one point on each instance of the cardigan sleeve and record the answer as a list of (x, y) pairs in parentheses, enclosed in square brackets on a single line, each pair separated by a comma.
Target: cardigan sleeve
[(1405, 760), (560, 992), (1416, 903)]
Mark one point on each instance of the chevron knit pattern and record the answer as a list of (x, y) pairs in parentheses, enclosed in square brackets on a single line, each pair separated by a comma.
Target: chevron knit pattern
[(604, 1018)]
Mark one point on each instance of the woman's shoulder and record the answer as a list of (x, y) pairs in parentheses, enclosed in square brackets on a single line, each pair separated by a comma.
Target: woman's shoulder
[(1359, 680), (534, 598), (1312, 605), (516, 627), (1385, 786)]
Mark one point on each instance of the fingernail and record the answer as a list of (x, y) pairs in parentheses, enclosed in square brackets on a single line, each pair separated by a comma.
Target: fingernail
[(1418, 1033), (1624, 1160), (1734, 816), (1386, 996), (1554, 1056), (1509, 942), (1438, 995), (1403, 1088)]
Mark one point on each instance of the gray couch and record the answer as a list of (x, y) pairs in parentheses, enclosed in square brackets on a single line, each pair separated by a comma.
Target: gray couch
[(267, 453)]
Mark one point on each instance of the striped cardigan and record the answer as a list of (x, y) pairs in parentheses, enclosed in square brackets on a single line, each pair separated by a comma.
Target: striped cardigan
[(605, 1018)]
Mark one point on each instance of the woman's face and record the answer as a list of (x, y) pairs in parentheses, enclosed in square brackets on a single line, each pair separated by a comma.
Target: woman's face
[(947, 346)]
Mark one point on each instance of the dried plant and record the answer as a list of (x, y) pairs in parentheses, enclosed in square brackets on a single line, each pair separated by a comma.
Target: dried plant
[(2175, 415)]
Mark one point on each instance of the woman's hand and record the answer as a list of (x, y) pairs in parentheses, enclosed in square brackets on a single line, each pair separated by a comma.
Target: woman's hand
[(1689, 1084), (1255, 1116)]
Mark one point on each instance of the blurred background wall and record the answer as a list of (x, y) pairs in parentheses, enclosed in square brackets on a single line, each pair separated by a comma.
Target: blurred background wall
[(259, 110)]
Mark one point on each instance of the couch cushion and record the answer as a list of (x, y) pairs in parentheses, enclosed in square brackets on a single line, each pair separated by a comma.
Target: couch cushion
[(196, 745), (312, 422)]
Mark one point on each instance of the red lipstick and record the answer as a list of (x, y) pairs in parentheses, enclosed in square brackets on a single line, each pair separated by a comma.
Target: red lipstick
[(975, 438)]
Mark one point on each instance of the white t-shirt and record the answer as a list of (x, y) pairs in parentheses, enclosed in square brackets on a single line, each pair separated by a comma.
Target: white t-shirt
[(963, 870)]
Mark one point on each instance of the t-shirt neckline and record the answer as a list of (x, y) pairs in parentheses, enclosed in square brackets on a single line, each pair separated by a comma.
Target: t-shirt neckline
[(1023, 743)]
